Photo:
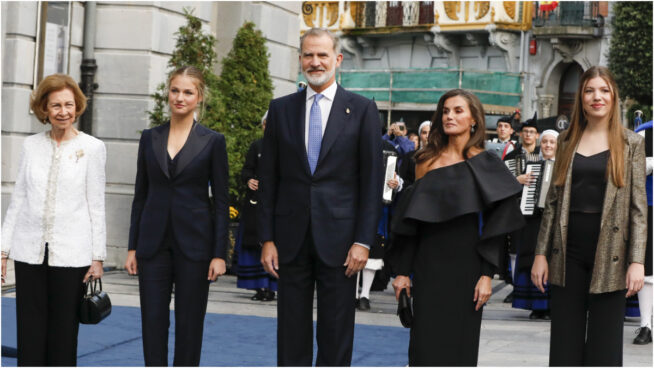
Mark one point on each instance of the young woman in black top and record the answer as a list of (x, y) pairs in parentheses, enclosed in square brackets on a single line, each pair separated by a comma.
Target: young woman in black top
[(591, 244)]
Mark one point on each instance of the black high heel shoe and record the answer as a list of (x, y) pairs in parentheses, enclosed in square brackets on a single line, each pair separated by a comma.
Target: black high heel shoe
[(268, 295), (259, 295)]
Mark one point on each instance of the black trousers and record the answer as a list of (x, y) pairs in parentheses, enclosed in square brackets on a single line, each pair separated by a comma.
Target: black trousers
[(47, 313), (157, 275), (336, 305), (587, 329)]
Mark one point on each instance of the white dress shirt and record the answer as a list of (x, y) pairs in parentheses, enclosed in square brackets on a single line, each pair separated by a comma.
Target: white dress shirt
[(58, 199), (325, 104)]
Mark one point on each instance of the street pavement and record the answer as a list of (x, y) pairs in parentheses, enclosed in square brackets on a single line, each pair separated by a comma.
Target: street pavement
[(508, 337)]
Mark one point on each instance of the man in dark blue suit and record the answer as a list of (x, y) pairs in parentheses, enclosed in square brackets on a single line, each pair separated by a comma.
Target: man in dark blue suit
[(321, 180)]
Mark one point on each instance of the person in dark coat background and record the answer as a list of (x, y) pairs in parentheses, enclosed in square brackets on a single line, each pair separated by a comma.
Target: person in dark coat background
[(645, 294), (249, 270)]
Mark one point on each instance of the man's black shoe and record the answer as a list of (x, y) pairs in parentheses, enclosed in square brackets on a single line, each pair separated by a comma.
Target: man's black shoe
[(364, 304), (644, 336)]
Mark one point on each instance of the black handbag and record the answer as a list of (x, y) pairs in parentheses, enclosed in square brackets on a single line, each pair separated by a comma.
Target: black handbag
[(96, 305), (405, 309)]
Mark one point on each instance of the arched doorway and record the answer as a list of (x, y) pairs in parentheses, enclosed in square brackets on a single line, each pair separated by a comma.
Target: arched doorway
[(567, 89)]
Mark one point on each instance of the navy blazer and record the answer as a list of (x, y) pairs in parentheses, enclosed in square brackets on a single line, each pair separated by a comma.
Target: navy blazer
[(341, 201), (200, 231)]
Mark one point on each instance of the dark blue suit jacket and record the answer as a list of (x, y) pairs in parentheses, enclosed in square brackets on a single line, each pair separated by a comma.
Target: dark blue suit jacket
[(200, 231), (341, 201)]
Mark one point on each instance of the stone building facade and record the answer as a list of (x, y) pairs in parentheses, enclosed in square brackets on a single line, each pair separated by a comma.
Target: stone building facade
[(406, 54), (133, 41)]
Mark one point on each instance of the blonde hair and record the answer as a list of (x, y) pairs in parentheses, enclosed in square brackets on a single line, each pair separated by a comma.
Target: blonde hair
[(195, 74), (578, 123), (55, 83)]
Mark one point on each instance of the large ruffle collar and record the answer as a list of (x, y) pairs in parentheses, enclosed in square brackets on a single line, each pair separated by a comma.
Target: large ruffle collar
[(470, 186)]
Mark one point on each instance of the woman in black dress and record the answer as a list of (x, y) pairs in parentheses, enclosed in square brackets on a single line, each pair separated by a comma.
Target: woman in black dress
[(449, 232)]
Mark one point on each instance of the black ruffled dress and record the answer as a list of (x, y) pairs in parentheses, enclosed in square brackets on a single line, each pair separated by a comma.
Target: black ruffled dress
[(449, 230)]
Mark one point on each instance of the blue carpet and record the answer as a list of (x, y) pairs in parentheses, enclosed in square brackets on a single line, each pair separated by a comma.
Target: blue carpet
[(229, 340)]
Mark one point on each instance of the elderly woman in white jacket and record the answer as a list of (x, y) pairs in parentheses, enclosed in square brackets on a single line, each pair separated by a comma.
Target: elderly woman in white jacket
[(54, 228)]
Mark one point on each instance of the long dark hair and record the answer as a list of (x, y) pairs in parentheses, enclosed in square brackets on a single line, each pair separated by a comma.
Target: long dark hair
[(438, 140), (578, 122)]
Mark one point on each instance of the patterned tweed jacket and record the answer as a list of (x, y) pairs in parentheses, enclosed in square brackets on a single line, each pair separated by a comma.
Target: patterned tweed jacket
[(623, 229)]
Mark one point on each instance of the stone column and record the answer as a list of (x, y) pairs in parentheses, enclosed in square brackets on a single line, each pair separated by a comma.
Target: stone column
[(545, 102)]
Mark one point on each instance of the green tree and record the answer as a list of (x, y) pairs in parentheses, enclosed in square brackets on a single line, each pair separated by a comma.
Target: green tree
[(194, 47), (630, 53), (246, 90)]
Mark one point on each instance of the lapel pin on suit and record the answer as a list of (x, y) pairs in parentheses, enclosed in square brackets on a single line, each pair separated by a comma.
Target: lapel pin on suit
[(347, 110)]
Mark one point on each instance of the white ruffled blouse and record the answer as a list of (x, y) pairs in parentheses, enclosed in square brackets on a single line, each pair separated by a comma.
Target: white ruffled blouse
[(58, 199)]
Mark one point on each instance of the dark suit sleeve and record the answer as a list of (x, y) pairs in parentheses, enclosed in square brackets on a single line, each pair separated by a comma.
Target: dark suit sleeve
[(140, 191), (220, 192), (249, 167), (268, 178), (371, 177)]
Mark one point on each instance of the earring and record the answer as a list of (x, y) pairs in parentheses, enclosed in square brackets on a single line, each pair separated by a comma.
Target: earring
[(473, 128)]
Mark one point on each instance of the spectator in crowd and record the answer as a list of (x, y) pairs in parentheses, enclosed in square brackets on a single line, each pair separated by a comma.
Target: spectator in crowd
[(525, 294), (423, 131), (504, 130), (528, 144), (413, 137), (591, 244), (377, 249), (175, 240), (54, 228), (251, 274), (527, 151), (450, 236), (645, 294), (548, 144), (407, 167), (397, 136)]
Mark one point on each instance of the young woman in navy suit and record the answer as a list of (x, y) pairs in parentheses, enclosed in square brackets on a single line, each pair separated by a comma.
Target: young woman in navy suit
[(178, 236)]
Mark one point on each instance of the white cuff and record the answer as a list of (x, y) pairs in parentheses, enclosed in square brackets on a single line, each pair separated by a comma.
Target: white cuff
[(363, 245)]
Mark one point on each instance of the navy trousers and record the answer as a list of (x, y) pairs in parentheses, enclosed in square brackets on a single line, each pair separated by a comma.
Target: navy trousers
[(157, 276), (336, 307)]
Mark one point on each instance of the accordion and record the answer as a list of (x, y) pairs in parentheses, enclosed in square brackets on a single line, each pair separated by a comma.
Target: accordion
[(534, 194), (516, 165)]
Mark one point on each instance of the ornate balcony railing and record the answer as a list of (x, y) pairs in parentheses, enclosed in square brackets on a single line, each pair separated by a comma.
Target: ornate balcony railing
[(571, 13), (393, 16)]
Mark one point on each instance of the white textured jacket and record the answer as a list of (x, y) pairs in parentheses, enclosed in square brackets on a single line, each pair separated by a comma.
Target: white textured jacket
[(59, 199)]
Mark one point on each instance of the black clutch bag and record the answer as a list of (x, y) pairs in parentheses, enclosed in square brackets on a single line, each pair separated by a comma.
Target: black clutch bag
[(96, 305), (405, 309)]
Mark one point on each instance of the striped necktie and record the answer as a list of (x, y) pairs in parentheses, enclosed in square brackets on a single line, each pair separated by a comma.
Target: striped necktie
[(315, 133)]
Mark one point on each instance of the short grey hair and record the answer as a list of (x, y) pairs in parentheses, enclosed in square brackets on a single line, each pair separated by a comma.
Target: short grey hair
[(317, 32)]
